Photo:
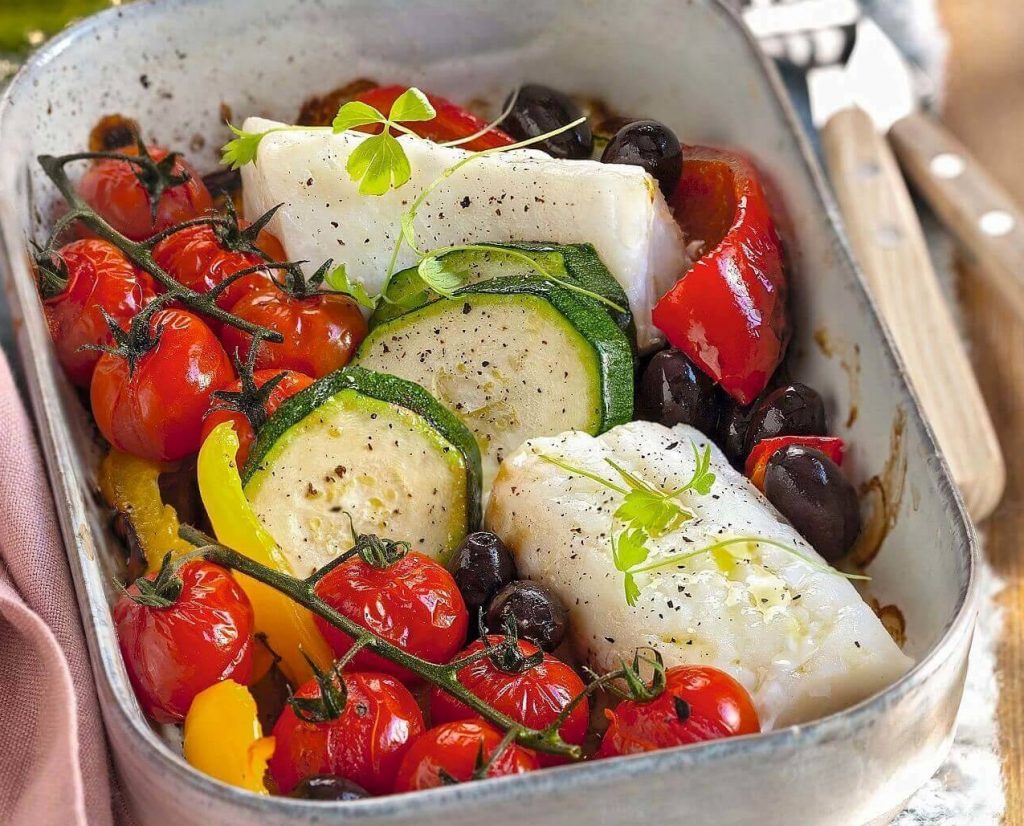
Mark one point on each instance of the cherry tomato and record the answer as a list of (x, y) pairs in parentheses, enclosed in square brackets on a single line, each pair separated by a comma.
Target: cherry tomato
[(533, 698), (156, 411), (197, 258), (455, 748), (113, 189), (413, 603), (201, 636), (451, 122), (321, 332), (289, 385), (364, 743), (100, 278), (699, 703)]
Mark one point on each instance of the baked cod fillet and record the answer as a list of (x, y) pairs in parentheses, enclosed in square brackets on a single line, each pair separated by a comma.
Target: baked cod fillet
[(517, 196), (799, 637)]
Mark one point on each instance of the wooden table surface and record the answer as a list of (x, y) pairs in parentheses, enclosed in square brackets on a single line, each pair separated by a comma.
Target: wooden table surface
[(985, 107)]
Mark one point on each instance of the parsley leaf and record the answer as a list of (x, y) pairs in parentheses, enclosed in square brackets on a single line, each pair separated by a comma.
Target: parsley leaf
[(439, 277), (654, 511), (242, 150), (355, 113), (338, 280), (644, 506), (703, 479), (378, 163), (411, 105), (629, 549)]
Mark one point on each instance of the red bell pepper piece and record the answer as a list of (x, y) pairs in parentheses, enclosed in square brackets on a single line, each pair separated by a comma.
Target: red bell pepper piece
[(728, 313), (451, 123), (757, 461)]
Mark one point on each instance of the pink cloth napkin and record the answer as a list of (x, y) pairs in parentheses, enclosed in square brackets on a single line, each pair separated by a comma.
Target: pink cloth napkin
[(54, 766)]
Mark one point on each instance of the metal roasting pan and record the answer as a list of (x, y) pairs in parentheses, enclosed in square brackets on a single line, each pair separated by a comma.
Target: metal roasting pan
[(172, 64)]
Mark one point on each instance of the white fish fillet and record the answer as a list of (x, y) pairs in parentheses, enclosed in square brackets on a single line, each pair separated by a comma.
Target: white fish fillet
[(800, 639), (523, 195)]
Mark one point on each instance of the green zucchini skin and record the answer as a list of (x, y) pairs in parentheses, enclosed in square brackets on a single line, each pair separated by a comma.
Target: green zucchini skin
[(580, 265), (385, 388), (613, 349)]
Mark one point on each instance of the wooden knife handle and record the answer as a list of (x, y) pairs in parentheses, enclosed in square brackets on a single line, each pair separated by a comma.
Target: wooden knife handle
[(975, 208), (889, 245)]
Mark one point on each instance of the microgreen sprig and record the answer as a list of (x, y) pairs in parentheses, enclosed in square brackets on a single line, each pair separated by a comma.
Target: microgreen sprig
[(647, 513), (379, 162)]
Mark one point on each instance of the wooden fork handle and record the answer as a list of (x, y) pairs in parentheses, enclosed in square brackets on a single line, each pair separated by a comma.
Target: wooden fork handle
[(972, 205), (889, 245)]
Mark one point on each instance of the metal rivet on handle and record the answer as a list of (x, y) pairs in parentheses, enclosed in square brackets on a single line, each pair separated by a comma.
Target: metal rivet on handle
[(947, 165), (996, 222)]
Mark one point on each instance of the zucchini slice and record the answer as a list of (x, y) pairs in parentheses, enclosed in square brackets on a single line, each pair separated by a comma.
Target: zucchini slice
[(576, 263), (374, 446), (514, 358)]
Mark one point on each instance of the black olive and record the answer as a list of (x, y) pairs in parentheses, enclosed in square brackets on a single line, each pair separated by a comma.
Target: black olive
[(329, 787), (732, 431), (672, 390), (541, 109), (540, 616), (652, 145), (481, 567), (790, 410), (811, 491)]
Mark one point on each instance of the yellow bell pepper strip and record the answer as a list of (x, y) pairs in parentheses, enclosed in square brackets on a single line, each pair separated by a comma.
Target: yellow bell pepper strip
[(288, 627), (131, 486), (223, 737)]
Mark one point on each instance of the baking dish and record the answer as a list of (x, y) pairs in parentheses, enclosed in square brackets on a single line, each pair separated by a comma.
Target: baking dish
[(175, 65)]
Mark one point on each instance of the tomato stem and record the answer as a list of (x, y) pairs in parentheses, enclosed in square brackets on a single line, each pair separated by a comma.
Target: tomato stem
[(139, 253), (444, 676)]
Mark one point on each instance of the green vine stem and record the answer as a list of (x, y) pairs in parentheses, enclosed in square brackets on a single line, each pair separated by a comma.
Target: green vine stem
[(139, 253), (444, 676)]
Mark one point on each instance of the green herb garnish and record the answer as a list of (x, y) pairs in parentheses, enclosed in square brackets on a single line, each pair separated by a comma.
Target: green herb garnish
[(338, 280), (379, 163), (648, 513)]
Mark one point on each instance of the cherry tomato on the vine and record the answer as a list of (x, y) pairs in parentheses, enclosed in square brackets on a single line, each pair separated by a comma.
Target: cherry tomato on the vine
[(223, 411), (99, 277), (364, 740), (199, 260), (412, 602), (321, 332), (699, 703), (156, 410), (177, 643), (455, 750), (114, 190), (534, 697)]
